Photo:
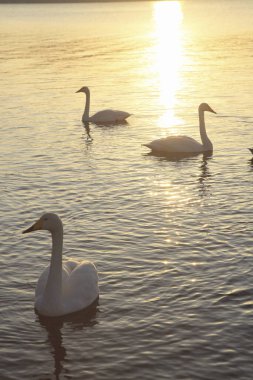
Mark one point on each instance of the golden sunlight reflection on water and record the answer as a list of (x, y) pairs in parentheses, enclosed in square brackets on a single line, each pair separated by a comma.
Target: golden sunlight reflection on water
[(168, 54), (171, 239)]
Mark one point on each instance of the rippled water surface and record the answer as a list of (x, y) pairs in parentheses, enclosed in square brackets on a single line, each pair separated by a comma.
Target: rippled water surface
[(171, 239)]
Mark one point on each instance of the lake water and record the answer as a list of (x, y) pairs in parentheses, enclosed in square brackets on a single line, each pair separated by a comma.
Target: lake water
[(171, 239)]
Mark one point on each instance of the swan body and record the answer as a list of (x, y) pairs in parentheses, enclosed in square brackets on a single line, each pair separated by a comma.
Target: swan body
[(63, 288), (105, 116), (185, 144)]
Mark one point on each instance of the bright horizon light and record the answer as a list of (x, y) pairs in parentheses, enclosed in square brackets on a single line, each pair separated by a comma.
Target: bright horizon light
[(168, 53)]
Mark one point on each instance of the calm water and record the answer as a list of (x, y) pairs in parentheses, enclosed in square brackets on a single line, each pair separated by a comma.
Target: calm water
[(172, 240)]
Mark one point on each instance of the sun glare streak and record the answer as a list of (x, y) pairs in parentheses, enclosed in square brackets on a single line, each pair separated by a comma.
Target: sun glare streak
[(168, 54)]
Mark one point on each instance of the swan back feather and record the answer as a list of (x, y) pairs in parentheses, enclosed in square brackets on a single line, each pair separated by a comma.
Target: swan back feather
[(109, 116), (175, 144)]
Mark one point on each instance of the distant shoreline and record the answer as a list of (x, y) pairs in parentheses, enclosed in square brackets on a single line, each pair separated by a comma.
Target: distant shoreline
[(63, 1)]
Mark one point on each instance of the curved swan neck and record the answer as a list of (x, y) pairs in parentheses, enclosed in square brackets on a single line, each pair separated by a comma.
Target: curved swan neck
[(53, 292), (202, 129), (87, 106)]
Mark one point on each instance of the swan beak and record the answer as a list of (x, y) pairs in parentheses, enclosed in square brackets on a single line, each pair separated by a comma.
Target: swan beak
[(211, 110), (79, 91), (36, 226)]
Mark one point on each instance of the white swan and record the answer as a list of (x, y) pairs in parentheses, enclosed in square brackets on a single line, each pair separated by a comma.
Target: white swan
[(105, 116), (63, 288), (185, 144)]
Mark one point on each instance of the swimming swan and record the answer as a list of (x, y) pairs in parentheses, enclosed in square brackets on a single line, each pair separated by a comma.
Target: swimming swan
[(105, 116), (185, 144), (63, 288)]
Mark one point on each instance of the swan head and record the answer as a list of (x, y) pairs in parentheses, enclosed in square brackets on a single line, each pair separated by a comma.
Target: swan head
[(48, 221), (205, 107), (84, 89)]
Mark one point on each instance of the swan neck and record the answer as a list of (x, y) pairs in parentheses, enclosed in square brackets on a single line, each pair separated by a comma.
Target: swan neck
[(87, 106), (53, 292), (202, 129)]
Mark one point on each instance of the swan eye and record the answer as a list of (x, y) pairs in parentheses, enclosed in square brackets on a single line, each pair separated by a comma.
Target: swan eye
[(45, 219)]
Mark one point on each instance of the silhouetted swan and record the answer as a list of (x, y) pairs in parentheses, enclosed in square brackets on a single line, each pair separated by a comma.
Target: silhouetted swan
[(63, 288), (105, 116), (185, 144)]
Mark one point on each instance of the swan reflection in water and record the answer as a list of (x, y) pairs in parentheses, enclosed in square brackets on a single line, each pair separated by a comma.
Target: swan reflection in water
[(251, 160), (89, 139), (77, 321), (204, 186), (185, 157)]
